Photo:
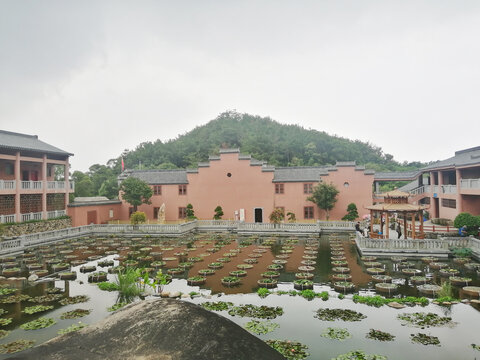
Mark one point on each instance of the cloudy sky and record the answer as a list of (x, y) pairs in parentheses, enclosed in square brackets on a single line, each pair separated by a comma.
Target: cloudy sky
[(97, 77)]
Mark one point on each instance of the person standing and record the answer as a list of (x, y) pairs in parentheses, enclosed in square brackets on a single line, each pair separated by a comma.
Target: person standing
[(399, 230)]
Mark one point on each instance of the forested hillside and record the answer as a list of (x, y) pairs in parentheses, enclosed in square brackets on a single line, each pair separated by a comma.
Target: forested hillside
[(263, 138)]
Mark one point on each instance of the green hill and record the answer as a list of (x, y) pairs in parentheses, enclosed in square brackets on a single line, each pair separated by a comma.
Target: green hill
[(263, 138)]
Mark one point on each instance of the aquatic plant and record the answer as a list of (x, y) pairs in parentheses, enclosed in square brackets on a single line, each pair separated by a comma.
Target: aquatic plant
[(5, 321), (379, 301), (421, 319), (37, 308), (260, 312), (7, 291), (424, 339), (292, 350), (261, 327), (12, 299), (72, 328), (359, 355), (379, 335), (327, 314), (216, 306), (75, 314), (116, 306), (16, 346), (39, 323), (4, 333), (336, 334), (74, 300), (107, 286), (263, 292)]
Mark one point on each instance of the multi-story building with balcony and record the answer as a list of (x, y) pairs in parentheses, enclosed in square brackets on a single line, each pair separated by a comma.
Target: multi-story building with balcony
[(449, 186), (28, 187)]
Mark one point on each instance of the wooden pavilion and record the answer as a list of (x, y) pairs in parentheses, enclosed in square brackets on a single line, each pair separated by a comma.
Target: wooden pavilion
[(396, 201)]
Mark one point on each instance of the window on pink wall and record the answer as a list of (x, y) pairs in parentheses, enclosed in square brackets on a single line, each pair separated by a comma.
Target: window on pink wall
[(308, 212), (182, 189), (279, 189), (157, 189), (307, 188)]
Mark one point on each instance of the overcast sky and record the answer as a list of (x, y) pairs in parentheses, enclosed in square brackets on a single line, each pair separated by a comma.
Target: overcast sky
[(97, 77)]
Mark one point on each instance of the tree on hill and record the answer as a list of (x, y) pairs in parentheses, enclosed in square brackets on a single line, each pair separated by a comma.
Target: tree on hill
[(324, 196), (135, 192)]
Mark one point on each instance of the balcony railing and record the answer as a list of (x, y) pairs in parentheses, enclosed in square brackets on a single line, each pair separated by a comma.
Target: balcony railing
[(449, 189), (31, 185), (7, 184), (32, 216), (7, 219), (55, 185), (55, 214), (470, 183)]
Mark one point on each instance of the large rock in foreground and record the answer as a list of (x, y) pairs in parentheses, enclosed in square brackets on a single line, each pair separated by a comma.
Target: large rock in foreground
[(161, 329)]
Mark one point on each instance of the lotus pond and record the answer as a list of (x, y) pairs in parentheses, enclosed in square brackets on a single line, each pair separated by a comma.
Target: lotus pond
[(313, 298)]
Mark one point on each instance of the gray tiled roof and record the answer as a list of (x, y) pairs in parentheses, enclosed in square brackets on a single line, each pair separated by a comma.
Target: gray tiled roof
[(17, 141), (465, 157), (157, 177), (299, 173), (400, 175)]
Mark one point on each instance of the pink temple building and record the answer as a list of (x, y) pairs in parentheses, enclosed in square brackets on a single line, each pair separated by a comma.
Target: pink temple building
[(28, 188), (249, 190)]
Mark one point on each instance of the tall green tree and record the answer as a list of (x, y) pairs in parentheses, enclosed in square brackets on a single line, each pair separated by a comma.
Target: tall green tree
[(136, 192), (83, 184), (324, 196), (109, 188)]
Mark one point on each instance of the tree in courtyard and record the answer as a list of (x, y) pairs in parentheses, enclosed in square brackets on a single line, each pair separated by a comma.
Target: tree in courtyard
[(218, 213), (466, 219), (291, 217), (135, 192), (277, 216), (190, 212), (352, 212), (324, 196), (138, 217)]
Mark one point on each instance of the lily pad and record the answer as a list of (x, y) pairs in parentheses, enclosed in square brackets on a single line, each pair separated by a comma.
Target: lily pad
[(261, 327), (422, 319), (74, 300), (336, 334), (260, 312), (216, 306), (39, 323), (37, 308), (72, 328), (289, 349), (380, 335), (327, 314), (75, 314), (424, 339), (16, 346)]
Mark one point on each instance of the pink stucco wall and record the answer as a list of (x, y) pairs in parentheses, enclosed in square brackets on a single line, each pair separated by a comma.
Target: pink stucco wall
[(79, 214), (248, 187)]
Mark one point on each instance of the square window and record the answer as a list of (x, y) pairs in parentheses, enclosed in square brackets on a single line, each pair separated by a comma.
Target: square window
[(279, 189), (308, 212), (157, 189), (307, 188), (182, 189)]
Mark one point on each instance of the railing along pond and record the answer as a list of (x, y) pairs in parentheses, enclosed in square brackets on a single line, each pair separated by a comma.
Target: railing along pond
[(25, 241)]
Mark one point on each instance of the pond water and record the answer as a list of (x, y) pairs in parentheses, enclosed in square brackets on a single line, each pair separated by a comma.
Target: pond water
[(296, 323)]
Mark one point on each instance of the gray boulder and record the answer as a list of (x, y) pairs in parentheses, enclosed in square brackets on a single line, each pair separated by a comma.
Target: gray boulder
[(160, 329)]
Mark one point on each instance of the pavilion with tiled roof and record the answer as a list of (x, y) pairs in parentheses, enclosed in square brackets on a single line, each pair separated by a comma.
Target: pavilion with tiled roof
[(396, 201)]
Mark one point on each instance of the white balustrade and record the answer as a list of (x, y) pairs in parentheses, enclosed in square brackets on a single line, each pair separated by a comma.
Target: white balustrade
[(449, 189), (470, 183), (32, 216), (56, 213), (56, 185), (7, 218), (7, 184), (31, 185)]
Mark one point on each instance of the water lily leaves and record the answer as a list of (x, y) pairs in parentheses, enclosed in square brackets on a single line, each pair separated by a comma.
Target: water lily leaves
[(421, 319), (339, 314), (36, 309), (75, 314), (424, 339), (72, 328), (380, 335), (40, 323), (216, 306), (16, 346), (261, 327), (290, 349), (336, 334), (260, 312)]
